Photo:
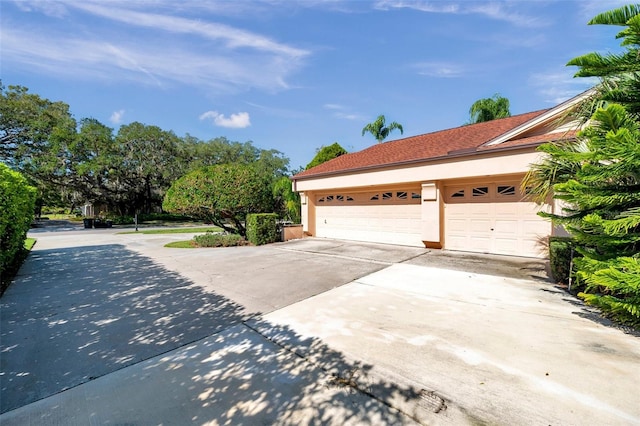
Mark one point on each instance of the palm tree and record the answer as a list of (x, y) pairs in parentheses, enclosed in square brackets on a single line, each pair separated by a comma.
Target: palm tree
[(488, 109), (379, 130)]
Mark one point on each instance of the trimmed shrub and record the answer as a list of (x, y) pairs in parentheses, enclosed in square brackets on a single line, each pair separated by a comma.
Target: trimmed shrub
[(165, 217), (17, 206), (218, 240), (561, 251), (121, 220), (262, 228)]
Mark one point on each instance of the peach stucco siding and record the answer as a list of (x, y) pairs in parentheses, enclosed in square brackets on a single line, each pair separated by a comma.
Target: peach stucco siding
[(430, 178), (495, 163)]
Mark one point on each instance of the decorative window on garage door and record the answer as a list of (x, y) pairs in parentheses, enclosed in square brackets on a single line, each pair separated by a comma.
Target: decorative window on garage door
[(404, 196), (484, 192), (335, 199)]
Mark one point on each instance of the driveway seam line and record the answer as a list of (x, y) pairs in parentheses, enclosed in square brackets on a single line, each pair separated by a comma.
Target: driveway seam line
[(360, 259)]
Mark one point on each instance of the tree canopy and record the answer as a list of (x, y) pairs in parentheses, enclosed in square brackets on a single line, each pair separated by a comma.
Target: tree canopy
[(488, 109), (326, 153), (222, 194), (126, 172), (380, 130)]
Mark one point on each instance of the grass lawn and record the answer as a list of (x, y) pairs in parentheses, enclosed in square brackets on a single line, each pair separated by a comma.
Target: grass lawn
[(174, 230), (180, 244), (29, 243), (62, 216)]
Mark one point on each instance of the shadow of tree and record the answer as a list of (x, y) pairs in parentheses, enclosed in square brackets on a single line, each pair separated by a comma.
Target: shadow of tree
[(173, 353), (78, 313), (597, 316)]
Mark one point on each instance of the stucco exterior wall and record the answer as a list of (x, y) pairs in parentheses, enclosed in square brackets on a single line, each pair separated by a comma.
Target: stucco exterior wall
[(501, 163), (429, 179)]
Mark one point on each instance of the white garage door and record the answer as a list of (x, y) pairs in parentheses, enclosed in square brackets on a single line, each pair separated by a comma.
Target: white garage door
[(387, 216), (491, 218)]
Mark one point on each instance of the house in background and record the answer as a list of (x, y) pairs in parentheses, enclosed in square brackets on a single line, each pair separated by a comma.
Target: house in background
[(457, 189)]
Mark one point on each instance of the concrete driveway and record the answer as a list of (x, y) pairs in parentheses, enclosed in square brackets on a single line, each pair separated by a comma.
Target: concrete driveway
[(103, 328)]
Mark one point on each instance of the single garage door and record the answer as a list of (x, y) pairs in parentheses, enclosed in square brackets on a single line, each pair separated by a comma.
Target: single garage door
[(386, 216), (492, 218)]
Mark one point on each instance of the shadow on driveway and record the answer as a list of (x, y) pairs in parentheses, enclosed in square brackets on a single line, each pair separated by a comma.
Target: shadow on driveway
[(79, 313), (132, 342)]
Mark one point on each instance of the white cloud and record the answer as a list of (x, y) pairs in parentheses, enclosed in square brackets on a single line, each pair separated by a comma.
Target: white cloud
[(333, 106), (587, 9), (233, 37), (342, 112), (493, 10), (158, 50), (116, 117), (557, 87), (147, 63), (239, 120), (439, 69), (49, 8)]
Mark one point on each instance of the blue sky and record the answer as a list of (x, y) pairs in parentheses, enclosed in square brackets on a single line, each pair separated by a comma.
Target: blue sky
[(296, 75)]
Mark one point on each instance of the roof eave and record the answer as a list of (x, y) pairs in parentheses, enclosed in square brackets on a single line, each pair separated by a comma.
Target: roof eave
[(423, 160)]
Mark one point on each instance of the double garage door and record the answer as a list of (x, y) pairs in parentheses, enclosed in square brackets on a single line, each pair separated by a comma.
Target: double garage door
[(386, 216), (480, 217), (492, 218)]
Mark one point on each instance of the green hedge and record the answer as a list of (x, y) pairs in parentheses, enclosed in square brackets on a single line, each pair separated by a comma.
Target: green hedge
[(560, 254), (219, 240), (17, 206), (262, 228)]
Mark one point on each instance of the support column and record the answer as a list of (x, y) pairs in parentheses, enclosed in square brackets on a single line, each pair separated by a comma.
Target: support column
[(431, 215)]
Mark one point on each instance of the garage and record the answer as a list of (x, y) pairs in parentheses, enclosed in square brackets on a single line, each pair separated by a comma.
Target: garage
[(386, 216), (491, 217)]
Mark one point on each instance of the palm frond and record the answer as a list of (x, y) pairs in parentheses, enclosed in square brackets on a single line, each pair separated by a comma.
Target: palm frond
[(619, 16)]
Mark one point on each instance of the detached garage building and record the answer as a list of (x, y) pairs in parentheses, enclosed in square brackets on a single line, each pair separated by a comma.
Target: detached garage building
[(458, 189)]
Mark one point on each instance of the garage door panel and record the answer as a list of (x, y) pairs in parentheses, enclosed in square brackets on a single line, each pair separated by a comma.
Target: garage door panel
[(477, 225), (506, 245), (497, 222), (393, 221), (507, 226), (481, 244)]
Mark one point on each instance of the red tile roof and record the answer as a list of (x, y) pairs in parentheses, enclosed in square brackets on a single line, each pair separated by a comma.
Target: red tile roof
[(464, 139)]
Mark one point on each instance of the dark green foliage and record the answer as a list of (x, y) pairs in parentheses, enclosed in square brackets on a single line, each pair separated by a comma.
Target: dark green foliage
[(603, 196), (219, 240), (326, 153), (602, 210), (121, 220), (561, 255), (162, 217), (223, 195), (598, 177), (488, 109), (613, 286), (262, 228), (380, 130), (287, 202), (17, 204), (125, 172), (618, 72)]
